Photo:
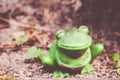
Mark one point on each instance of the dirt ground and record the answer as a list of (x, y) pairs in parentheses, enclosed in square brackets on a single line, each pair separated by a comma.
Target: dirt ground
[(41, 18)]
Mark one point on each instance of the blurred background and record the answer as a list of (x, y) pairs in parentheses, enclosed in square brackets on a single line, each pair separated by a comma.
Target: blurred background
[(102, 17), (97, 13), (39, 19)]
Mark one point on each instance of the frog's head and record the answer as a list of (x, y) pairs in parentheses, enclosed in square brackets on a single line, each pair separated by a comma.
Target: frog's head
[(76, 39)]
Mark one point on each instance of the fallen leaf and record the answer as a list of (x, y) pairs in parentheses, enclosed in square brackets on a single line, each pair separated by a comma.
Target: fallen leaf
[(23, 40), (17, 35)]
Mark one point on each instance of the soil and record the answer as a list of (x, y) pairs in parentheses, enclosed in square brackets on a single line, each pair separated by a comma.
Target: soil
[(41, 18)]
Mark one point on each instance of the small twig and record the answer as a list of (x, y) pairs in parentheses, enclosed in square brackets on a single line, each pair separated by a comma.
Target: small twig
[(117, 34), (3, 19)]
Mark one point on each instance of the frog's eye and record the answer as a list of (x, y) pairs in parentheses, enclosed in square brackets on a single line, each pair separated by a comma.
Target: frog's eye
[(60, 34), (84, 28)]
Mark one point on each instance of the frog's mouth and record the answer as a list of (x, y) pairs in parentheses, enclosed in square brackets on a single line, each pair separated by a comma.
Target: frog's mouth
[(68, 47), (73, 53), (68, 62)]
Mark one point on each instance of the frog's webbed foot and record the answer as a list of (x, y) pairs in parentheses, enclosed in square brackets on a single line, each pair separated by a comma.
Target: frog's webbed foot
[(87, 69), (60, 74), (96, 49)]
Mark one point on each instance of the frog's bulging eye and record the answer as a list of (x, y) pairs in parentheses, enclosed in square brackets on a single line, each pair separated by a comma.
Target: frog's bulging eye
[(84, 29), (60, 34)]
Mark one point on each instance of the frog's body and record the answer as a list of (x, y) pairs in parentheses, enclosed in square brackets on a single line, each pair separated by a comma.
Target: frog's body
[(73, 49)]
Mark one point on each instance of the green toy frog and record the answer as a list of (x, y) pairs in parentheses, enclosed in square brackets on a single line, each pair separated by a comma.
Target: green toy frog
[(73, 49)]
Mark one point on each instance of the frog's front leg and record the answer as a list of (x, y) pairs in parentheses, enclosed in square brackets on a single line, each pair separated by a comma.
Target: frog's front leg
[(48, 59), (96, 49), (53, 49)]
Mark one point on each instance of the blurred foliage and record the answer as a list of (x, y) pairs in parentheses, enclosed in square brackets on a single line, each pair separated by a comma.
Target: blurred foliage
[(33, 52), (116, 59)]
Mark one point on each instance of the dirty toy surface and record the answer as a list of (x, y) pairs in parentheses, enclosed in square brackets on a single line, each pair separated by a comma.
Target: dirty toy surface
[(73, 49)]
